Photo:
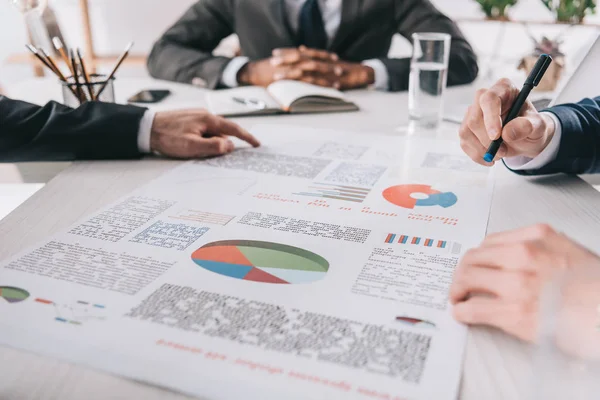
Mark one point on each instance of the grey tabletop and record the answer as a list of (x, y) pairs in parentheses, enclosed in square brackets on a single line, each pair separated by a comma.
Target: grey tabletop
[(496, 366)]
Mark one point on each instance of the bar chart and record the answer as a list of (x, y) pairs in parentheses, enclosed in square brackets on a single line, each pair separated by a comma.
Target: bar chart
[(336, 192), (395, 238)]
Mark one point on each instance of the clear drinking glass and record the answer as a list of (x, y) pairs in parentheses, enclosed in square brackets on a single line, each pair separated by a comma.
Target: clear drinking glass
[(567, 363), (428, 77), (74, 95)]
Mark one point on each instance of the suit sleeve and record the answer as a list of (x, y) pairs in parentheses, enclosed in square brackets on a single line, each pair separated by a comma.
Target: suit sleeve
[(184, 52), (415, 16), (55, 132), (579, 150)]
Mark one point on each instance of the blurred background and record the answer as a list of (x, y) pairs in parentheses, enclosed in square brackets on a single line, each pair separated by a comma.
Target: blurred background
[(503, 36)]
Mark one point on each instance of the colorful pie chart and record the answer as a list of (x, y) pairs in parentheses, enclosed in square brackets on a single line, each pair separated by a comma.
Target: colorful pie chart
[(264, 262), (13, 294), (407, 196)]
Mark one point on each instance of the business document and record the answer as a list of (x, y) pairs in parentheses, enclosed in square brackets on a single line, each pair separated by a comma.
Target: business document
[(314, 267)]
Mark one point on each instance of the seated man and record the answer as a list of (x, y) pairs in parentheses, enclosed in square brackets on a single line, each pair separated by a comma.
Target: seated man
[(101, 130), (510, 268), (336, 43)]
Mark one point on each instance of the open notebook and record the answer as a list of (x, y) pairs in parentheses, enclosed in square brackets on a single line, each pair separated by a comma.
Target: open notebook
[(280, 97)]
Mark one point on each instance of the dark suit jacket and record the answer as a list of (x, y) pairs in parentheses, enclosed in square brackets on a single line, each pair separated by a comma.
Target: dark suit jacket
[(579, 151), (184, 52), (59, 133)]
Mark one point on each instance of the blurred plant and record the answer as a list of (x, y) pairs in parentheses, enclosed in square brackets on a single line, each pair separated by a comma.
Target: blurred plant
[(571, 11), (548, 46), (496, 9), (545, 45)]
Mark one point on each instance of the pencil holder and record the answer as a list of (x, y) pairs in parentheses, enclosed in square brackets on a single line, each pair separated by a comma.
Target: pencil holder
[(76, 92)]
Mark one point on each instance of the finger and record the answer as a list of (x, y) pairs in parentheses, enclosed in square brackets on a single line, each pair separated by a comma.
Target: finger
[(513, 318), (233, 129), (318, 54), (199, 146), (540, 232), (470, 279), (319, 67), (521, 129), (475, 151), (285, 57), (216, 125), (288, 73), (320, 81), (494, 103), (288, 56), (475, 123), (528, 256)]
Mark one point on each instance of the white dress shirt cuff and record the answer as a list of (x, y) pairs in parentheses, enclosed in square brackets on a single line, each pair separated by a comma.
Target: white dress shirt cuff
[(230, 73), (522, 163), (143, 138), (381, 74)]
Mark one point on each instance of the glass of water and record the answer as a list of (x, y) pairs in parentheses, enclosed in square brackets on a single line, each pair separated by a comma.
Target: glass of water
[(428, 77)]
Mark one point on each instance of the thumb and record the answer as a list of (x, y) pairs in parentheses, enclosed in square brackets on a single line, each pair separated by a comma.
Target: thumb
[(518, 129)]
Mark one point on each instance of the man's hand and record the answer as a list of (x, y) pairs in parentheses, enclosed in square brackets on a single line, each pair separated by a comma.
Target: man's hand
[(288, 63), (527, 135), (195, 134), (355, 76), (500, 283), (318, 67)]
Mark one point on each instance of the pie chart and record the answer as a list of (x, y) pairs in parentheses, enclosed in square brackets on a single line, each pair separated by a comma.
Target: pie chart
[(13, 294), (264, 262), (402, 195)]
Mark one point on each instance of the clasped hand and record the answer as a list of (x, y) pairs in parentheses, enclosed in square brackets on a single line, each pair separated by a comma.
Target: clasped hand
[(318, 67)]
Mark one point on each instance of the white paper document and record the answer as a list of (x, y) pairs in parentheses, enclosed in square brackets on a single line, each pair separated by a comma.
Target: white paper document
[(314, 267)]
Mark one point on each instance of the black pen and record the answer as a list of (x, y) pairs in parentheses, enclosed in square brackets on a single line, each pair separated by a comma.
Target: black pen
[(534, 78)]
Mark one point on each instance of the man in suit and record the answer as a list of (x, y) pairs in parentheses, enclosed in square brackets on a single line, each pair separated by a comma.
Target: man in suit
[(512, 268), (335, 43), (110, 131)]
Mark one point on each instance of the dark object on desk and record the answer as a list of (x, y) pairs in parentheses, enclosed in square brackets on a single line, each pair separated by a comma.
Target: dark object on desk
[(149, 96), (366, 30), (59, 133), (534, 78)]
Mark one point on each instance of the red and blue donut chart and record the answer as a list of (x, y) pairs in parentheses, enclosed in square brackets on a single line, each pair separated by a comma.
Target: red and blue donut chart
[(402, 196)]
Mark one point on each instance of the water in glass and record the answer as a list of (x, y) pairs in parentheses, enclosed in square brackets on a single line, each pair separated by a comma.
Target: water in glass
[(426, 89)]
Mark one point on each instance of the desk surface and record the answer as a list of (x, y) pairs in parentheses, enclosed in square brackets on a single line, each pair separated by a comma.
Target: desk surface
[(496, 366)]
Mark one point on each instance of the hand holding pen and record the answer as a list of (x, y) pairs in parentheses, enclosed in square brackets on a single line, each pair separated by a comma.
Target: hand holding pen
[(503, 121)]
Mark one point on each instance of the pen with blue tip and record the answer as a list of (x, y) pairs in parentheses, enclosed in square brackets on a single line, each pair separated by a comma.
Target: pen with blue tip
[(534, 78)]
